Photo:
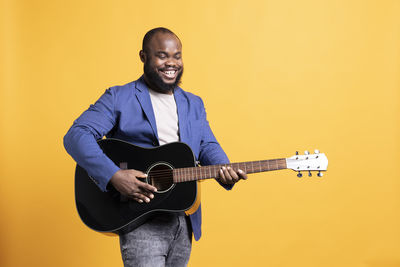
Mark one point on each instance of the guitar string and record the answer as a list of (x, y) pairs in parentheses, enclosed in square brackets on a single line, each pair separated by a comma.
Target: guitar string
[(165, 176), (206, 168), (167, 179), (197, 171)]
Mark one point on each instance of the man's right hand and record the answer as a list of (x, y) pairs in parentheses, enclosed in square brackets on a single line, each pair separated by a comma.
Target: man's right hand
[(126, 182)]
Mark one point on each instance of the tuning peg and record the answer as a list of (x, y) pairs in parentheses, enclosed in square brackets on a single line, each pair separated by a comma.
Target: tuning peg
[(316, 151), (306, 152), (320, 174), (299, 175), (309, 174)]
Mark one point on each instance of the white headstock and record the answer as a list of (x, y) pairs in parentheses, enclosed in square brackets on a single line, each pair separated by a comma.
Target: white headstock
[(308, 162)]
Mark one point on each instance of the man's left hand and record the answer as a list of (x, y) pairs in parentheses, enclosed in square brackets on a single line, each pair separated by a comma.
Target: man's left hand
[(227, 175)]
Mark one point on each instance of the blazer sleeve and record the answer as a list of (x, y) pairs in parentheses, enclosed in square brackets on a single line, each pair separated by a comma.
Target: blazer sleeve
[(211, 152), (81, 139)]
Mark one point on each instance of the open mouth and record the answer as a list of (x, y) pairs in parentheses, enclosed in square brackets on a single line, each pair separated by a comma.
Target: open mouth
[(169, 74)]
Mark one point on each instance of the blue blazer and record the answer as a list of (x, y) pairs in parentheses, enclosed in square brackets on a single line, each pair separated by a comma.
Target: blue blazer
[(125, 112)]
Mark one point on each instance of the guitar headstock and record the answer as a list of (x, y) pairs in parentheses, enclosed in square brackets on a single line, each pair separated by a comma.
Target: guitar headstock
[(308, 162)]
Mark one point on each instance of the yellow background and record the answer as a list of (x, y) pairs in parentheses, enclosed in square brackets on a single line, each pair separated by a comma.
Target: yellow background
[(276, 77)]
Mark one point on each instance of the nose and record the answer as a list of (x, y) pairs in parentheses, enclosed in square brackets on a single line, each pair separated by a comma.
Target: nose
[(171, 62)]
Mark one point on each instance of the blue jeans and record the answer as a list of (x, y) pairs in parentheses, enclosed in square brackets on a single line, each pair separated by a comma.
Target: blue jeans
[(164, 240)]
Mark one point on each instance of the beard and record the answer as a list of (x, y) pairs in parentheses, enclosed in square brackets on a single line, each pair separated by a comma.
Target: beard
[(156, 81)]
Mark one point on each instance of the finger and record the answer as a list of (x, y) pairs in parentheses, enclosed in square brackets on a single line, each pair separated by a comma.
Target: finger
[(145, 193), (140, 174), (222, 176), (227, 175), (146, 186), (242, 174), (141, 197), (233, 174), (138, 200)]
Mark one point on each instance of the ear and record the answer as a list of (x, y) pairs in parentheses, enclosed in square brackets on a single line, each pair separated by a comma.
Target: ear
[(142, 56)]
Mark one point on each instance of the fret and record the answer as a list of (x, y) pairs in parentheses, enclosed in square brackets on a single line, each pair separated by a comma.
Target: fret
[(193, 170), (212, 171)]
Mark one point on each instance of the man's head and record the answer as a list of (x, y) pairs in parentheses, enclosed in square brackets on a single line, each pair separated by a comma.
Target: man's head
[(162, 57)]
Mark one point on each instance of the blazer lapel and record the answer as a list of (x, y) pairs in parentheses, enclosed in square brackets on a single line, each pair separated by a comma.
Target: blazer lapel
[(143, 96)]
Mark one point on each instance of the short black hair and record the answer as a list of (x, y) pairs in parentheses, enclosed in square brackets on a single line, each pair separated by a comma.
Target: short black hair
[(147, 37)]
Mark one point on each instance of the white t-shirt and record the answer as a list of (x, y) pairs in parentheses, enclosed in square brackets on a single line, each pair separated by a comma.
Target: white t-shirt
[(166, 115)]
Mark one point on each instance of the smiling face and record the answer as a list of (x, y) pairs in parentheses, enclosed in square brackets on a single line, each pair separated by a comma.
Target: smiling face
[(163, 65)]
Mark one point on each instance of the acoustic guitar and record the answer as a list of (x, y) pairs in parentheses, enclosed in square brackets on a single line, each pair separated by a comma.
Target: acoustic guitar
[(172, 169)]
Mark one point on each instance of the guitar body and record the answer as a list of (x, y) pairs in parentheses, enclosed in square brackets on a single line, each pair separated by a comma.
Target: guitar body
[(110, 212)]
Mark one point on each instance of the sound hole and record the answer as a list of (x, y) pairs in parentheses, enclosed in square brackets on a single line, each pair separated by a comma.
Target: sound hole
[(160, 176)]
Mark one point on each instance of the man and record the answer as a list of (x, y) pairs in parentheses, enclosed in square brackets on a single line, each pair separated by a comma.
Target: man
[(149, 112)]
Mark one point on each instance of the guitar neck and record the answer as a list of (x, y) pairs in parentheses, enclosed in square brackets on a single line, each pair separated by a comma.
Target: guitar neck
[(207, 172)]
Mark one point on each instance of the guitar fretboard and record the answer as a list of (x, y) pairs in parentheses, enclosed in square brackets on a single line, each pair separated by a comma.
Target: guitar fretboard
[(207, 172)]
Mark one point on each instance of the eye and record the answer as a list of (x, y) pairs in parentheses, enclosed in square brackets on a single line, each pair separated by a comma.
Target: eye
[(178, 56), (161, 56)]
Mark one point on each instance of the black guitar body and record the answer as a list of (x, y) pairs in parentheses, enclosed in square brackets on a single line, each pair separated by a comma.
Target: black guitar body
[(110, 212)]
